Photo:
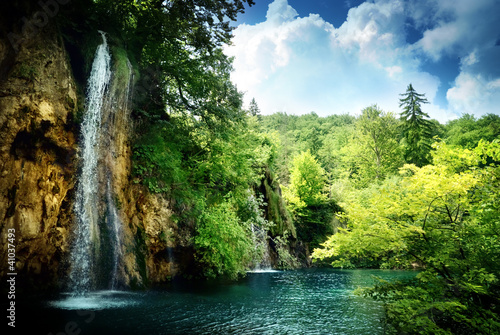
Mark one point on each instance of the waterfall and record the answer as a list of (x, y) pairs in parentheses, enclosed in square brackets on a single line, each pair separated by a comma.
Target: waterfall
[(261, 245), (115, 226), (259, 228), (98, 241), (115, 122), (85, 246)]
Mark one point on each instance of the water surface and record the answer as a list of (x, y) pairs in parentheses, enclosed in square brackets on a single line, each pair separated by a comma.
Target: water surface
[(313, 301)]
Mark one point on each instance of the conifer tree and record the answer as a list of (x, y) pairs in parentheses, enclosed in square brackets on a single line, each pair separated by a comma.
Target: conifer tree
[(254, 108), (416, 127)]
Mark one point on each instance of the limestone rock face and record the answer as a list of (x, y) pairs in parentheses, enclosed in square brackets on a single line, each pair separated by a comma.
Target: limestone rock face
[(38, 105), (166, 248)]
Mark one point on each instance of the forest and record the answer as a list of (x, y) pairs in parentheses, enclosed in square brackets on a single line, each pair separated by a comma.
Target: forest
[(380, 189)]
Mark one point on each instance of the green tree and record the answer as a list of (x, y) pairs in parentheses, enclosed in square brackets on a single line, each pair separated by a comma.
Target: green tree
[(467, 131), (443, 217), (254, 109), (373, 152), (417, 130), (222, 244), (178, 47), (307, 181)]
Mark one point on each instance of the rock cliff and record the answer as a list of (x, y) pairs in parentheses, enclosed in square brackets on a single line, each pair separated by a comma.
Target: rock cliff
[(38, 107)]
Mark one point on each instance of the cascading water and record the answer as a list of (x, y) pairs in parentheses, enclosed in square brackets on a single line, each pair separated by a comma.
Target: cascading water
[(115, 231), (85, 247), (115, 119), (259, 227), (261, 244)]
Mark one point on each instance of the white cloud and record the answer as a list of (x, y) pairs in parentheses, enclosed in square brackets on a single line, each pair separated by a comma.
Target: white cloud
[(302, 64), (473, 94), (279, 11), (467, 30), (456, 26)]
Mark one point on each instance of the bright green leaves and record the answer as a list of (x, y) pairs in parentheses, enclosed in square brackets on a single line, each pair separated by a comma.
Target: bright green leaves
[(425, 205), (467, 131), (307, 181), (374, 151), (444, 218), (223, 246), (307, 200)]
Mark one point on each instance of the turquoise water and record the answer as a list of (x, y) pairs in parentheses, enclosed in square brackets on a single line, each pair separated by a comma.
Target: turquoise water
[(313, 301)]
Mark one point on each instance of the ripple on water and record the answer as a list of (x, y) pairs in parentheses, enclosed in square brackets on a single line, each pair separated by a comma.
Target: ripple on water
[(315, 301)]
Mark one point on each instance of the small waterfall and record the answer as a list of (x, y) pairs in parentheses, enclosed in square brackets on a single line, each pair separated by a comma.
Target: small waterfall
[(261, 244), (259, 228), (115, 229), (85, 246), (115, 123)]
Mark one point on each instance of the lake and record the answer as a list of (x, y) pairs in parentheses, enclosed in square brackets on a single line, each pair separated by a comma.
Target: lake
[(310, 301)]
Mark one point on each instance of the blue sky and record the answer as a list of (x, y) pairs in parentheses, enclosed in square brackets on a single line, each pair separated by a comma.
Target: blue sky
[(340, 56)]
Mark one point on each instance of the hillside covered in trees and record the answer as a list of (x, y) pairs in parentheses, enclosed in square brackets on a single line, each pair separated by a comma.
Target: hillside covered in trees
[(403, 197)]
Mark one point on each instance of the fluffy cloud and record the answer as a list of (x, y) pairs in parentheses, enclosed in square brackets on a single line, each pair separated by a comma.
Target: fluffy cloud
[(474, 94), (302, 64), (467, 30)]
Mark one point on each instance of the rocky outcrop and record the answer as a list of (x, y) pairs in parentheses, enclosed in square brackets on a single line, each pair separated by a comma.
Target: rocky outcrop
[(164, 249), (38, 105)]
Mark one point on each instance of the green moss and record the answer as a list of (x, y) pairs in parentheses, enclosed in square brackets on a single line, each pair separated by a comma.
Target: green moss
[(70, 102), (140, 255), (276, 209), (26, 71), (121, 70)]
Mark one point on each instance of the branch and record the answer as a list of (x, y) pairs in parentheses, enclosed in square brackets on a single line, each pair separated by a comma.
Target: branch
[(428, 210), (449, 214)]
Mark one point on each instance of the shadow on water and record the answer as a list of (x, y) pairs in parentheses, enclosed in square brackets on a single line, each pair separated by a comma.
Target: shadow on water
[(313, 301)]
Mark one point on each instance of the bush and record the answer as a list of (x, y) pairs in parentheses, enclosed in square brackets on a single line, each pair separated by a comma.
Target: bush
[(222, 244)]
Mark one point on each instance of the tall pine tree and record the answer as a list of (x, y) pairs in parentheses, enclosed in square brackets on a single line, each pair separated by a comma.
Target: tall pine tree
[(416, 127)]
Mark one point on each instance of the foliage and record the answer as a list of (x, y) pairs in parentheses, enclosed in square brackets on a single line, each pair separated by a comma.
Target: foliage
[(443, 217), (427, 306), (315, 222), (374, 152), (254, 109), (158, 163), (417, 130), (322, 136), (178, 45), (307, 182), (286, 261), (467, 131), (307, 200), (275, 210), (222, 243)]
